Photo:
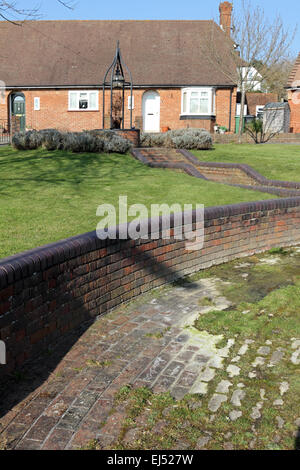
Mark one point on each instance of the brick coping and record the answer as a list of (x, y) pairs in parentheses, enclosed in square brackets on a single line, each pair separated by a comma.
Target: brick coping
[(25, 264), (51, 290)]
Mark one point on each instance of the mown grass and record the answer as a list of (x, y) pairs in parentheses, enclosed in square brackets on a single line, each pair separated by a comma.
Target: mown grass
[(281, 162), (48, 196)]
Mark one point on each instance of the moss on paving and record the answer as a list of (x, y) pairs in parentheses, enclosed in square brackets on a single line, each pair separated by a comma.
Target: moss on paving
[(262, 277), (158, 421)]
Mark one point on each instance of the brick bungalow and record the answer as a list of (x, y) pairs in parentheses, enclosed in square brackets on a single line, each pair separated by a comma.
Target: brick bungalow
[(293, 87), (257, 101), (53, 71)]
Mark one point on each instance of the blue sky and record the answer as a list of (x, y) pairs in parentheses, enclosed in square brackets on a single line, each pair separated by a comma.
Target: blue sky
[(161, 9)]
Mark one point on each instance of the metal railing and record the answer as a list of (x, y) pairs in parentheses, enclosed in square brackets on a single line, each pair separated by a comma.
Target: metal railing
[(4, 132)]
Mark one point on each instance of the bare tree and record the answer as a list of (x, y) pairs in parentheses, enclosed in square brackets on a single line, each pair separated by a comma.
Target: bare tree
[(278, 77), (12, 12), (257, 46)]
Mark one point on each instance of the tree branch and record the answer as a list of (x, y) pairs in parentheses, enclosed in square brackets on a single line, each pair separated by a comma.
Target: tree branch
[(10, 11), (69, 5)]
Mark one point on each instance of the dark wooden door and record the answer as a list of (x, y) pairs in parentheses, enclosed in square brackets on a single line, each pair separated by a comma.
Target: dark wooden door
[(18, 110)]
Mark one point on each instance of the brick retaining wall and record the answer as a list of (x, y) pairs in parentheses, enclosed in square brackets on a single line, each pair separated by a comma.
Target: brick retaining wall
[(226, 175), (238, 173), (130, 134), (289, 138), (47, 292)]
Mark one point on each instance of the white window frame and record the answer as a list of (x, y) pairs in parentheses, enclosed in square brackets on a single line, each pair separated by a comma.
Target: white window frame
[(130, 104), (259, 109), (88, 92), (238, 109), (37, 103), (211, 100)]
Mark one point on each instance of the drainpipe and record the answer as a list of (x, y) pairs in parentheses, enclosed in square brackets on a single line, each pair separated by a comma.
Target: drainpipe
[(230, 109), (9, 116)]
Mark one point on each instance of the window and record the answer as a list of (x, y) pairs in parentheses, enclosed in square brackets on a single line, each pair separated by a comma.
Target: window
[(83, 101), (260, 112), (130, 105), (37, 104), (238, 109), (198, 101)]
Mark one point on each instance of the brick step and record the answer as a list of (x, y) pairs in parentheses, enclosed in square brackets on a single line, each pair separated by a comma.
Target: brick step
[(234, 175), (159, 150)]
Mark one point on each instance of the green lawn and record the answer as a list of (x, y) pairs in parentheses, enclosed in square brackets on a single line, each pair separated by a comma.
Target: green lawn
[(281, 162), (47, 196)]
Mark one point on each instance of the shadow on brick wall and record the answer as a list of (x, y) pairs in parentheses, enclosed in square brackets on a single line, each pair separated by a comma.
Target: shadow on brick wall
[(18, 385), (15, 387)]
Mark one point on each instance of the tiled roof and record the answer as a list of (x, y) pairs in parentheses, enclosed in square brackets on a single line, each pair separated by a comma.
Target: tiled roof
[(294, 78), (259, 99), (78, 53), (276, 105)]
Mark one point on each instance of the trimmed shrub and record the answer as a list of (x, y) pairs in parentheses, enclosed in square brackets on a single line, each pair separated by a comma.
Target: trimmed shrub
[(51, 139), (18, 141), (78, 142), (104, 134), (189, 138), (153, 140), (112, 142), (116, 144), (198, 139), (30, 140)]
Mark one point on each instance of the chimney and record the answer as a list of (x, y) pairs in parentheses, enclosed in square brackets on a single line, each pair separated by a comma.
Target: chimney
[(225, 16)]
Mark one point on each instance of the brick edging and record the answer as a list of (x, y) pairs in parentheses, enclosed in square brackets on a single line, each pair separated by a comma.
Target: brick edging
[(189, 169), (281, 192), (243, 167)]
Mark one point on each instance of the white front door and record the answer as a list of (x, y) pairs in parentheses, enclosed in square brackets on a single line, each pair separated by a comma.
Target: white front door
[(151, 111)]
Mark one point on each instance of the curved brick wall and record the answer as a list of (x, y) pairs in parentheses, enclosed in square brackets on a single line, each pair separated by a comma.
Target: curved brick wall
[(48, 291)]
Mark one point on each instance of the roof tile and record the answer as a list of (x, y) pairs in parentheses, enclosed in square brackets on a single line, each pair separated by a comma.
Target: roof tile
[(78, 53)]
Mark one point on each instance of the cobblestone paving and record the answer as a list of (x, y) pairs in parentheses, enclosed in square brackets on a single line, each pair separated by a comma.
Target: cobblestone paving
[(153, 344)]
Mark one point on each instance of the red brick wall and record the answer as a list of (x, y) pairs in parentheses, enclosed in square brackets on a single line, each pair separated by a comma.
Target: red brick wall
[(4, 108), (48, 291), (295, 112), (222, 106), (54, 111), (247, 139)]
